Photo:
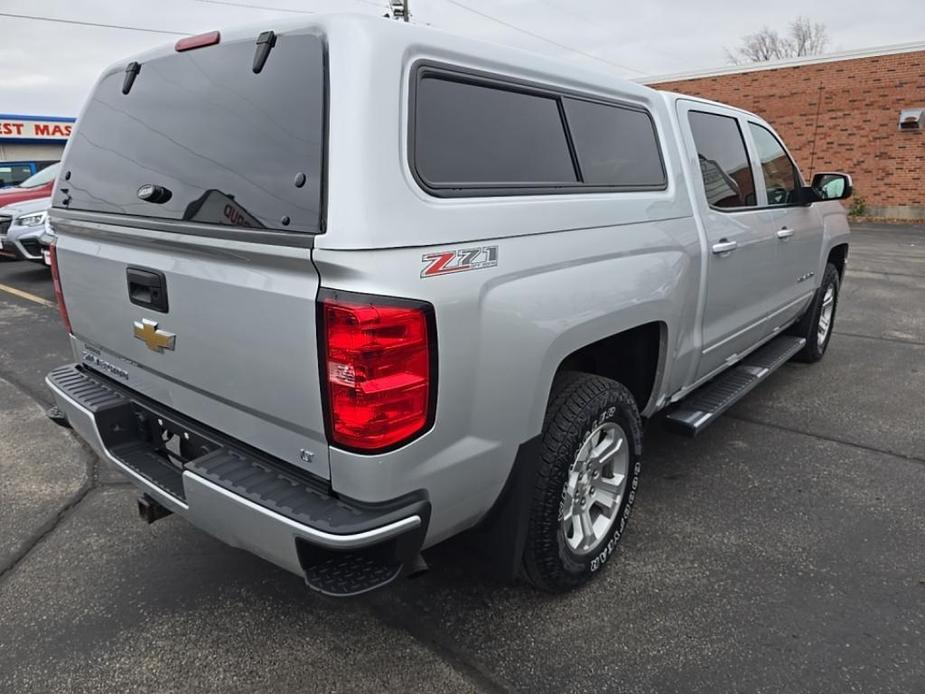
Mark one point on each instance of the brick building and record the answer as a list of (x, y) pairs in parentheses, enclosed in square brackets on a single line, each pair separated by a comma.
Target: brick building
[(838, 112)]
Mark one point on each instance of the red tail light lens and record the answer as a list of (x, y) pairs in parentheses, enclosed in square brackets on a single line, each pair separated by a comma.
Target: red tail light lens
[(379, 356), (56, 282), (198, 41)]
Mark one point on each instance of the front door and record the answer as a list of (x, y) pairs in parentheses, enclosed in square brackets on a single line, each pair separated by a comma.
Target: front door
[(741, 257), (796, 227)]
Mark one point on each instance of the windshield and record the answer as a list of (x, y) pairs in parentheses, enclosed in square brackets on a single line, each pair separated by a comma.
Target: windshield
[(201, 138), (42, 177)]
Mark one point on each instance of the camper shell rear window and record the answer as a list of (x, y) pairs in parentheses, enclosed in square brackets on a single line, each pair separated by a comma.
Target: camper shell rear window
[(201, 138)]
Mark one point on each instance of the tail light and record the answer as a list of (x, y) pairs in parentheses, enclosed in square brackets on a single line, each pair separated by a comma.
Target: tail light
[(379, 369), (56, 282)]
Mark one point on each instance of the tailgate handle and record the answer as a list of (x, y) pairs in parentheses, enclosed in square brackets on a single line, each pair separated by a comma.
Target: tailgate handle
[(147, 288)]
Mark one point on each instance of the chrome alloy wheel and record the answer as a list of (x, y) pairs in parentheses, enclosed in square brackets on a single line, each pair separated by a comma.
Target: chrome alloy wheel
[(594, 488), (825, 315)]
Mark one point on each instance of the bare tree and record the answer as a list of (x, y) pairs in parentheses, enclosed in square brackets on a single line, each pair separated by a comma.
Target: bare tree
[(760, 47), (804, 37), (807, 37)]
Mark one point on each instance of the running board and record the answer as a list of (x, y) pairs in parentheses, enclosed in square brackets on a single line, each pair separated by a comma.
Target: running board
[(704, 406)]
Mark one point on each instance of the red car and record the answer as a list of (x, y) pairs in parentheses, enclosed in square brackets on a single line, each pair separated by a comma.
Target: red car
[(38, 185)]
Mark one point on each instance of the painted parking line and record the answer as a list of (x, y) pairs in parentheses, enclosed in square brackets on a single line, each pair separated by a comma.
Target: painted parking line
[(26, 295)]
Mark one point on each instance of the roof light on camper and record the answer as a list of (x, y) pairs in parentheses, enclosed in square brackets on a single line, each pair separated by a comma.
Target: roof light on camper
[(198, 41)]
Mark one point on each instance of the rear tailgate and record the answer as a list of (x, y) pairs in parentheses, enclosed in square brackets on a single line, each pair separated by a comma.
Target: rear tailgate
[(203, 182)]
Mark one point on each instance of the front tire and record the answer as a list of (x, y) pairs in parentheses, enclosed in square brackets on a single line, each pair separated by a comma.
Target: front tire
[(818, 322), (586, 482)]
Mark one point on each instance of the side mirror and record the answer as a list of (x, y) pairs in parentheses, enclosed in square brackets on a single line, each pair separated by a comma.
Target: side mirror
[(832, 186)]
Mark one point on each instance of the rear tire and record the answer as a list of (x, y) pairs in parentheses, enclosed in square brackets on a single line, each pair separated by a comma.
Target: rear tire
[(818, 322), (586, 482)]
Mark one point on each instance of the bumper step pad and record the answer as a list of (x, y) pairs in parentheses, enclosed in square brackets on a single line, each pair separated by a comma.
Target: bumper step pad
[(91, 394), (290, 494), (704, 406), (350, 574)]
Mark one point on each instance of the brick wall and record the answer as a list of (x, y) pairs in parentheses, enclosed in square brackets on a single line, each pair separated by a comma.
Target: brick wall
[(858, 101)]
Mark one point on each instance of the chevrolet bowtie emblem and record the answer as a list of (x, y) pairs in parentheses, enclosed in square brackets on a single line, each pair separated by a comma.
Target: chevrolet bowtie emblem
[(157, 340)]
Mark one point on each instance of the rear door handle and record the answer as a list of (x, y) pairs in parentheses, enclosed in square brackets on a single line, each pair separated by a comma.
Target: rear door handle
[(784, 234), (725, 246)]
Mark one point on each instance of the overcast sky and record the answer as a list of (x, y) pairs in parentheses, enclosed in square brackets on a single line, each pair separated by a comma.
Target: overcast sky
[(47, 68)]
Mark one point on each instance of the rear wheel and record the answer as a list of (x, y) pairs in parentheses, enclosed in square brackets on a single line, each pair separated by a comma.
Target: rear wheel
[(589, 471), (817, 323)]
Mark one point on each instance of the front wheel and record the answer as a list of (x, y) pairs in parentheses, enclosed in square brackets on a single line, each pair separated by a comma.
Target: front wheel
[(588, 474), (817, 323)]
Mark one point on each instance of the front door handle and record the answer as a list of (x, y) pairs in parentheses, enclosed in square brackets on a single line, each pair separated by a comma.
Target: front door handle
[(725, 246), (784, 234)]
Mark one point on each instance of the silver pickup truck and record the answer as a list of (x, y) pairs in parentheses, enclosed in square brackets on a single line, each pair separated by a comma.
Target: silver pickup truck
[(343, 288)]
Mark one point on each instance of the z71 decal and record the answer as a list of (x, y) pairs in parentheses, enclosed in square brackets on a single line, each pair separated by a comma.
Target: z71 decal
[(449, 262)]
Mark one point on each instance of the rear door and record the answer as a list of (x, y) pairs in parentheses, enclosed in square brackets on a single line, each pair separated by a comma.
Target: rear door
[(185, 213), (740, 255)]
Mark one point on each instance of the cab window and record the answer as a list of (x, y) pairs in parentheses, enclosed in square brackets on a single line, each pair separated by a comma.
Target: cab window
[(727, 172), (781, 177)]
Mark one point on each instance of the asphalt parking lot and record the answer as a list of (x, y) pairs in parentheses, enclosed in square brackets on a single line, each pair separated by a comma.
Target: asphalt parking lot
[(783, 550)]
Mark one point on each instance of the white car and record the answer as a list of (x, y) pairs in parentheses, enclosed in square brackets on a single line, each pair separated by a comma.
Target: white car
[(21, 225)]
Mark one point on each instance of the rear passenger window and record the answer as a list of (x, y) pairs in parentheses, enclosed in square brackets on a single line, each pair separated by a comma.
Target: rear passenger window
[(615, 146), (471, 136), (727, 172), (781, 178)]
